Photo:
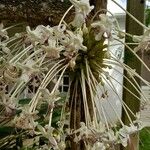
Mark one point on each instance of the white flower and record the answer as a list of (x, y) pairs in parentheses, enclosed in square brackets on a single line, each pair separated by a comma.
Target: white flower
[(111, 136), (99, 146), (39, 35), (62, 145), (56, 32), (78, 20), (85, 29), (143, 117), (53, 50), (125, 132), (144, 41), (82, 130), (124, 141), (26, 120), (65, 40), (9, 103), (75, 42), (47, 132), (49, 97), (72, 63), (103, 26), (3, 32), (6, 50), (28, 69), (82, 8)]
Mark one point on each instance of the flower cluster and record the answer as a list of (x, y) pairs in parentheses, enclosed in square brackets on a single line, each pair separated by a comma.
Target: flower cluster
[(101, 138), (31, 61)]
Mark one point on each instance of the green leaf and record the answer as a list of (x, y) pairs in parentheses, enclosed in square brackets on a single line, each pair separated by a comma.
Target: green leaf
[(5, 130), (24, 101)]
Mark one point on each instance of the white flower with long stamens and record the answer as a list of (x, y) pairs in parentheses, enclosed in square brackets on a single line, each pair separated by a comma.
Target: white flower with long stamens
[(82, 8), (83, 52), (105, 25)]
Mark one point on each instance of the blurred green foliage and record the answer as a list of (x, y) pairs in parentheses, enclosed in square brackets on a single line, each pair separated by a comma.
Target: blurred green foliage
[(147, 16), (145, 139)]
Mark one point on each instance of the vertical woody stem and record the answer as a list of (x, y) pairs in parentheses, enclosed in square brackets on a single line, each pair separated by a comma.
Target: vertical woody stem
[(136, 8)]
